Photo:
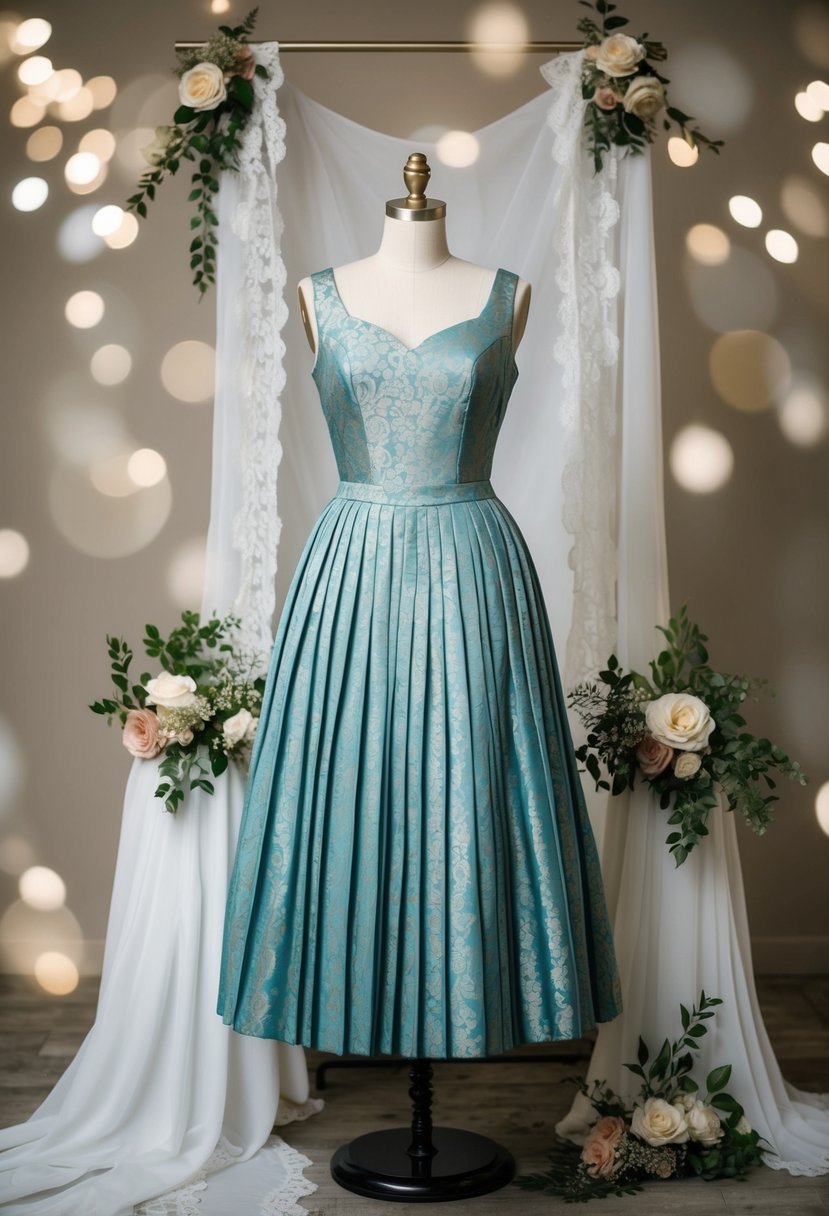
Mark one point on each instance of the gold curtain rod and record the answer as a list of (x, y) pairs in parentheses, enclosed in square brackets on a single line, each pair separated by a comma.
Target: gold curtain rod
[(547, 48)]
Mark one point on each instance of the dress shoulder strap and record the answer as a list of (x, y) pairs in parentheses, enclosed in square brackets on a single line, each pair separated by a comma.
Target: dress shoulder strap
[(501, 306), (326, 298)]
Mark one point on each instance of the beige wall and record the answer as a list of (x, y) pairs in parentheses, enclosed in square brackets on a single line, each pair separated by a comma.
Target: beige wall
[(752, 559)]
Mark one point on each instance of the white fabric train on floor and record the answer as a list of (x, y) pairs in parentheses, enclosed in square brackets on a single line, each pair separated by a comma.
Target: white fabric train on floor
[(162, 1097)]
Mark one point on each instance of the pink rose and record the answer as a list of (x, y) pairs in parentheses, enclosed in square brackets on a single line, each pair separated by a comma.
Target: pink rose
[(245, 65), (141, 736), (606, 98), (599, 1152), (653, 757)]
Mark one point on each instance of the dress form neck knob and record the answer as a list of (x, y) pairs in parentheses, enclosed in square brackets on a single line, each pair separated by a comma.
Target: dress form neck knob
[(416, 206)]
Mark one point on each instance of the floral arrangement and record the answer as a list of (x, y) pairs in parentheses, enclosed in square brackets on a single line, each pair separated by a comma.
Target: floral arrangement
[(625, 91), (673, 1130), (681, 731), (216, 96), (200, 711)]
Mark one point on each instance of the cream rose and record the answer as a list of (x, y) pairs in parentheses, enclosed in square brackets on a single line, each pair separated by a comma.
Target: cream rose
[(141, 736), (659, 1122), (173, 691), (687, 763), (618, 55), (599, 1152), (236, 729), (202, 87), (154, 152), (653, 757), (681, 720), (703, 1123), (644, 97)]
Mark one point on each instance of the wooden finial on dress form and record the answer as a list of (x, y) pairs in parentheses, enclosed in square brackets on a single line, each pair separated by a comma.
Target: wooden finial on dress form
[(416, 206)]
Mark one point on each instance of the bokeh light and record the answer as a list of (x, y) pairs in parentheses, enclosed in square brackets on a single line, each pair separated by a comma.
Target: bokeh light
[(103, 90), (820, 155), (681, 152), (124, 234), (807, 107), (219, 6), (818, 92), (16, 853), (26, 933), (80, 426), (707, 244), (822, 807), (84, 309), (498, 23), (42, 889), (188, 371), (802, 415), (186, 573), (100, 142), (804, 206), (35, 70), (32, 34), (56, 973), (26, 112), (711, 83), (30, 194), (82, 168), (44, 144), (701, 459), (77, 107), (102, 525), (749, 369), (14, 553), (76, 241), (67, 83), (111, 364), (739, 292), (781, 245), (146, 467), (429, 133), (107, 219), (746, 211), (111, 476), (458, 149)]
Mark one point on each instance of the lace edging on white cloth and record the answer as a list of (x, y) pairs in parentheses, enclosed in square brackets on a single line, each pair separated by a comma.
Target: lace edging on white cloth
[(281, 1200), (586, 348), (262, 314)]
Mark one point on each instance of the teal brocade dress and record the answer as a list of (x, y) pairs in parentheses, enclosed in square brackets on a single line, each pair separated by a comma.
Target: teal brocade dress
[(415, 873)]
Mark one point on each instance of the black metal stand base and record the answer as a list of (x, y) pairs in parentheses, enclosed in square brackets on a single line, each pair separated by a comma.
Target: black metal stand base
[(465, 1164), (422, 1164)]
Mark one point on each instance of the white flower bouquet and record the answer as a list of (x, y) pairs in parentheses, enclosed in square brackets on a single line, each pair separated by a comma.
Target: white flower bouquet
[(216, 96), (681, 731), (674, 1130), (199, 713), (624, 90)]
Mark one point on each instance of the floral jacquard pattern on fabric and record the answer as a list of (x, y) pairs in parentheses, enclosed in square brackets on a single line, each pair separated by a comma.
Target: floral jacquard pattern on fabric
[(416, 872)]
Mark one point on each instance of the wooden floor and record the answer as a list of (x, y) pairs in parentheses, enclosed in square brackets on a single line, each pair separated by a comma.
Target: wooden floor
[(518, 1104)]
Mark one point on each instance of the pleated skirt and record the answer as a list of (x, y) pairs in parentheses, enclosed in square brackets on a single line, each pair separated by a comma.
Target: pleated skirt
[(415, 872)]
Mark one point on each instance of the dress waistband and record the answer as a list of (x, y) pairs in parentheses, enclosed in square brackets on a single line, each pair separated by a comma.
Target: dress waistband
[(416, 496)]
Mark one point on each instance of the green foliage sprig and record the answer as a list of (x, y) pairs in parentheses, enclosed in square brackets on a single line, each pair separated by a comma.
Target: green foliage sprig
[(731, 760), (707, 1135), (191, 736), (207, 135), (612, 117)]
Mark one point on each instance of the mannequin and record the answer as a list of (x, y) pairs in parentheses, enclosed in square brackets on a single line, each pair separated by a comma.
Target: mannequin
[(413, 287)]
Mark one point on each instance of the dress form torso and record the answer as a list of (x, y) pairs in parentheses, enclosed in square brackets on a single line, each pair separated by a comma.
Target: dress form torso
[(413, 287)]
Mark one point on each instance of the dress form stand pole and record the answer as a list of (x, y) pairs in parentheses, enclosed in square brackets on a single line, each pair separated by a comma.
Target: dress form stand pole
[(422, 1163)]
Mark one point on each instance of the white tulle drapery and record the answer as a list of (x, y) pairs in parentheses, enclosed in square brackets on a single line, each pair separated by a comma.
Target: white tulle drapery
[(162, 1099)]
